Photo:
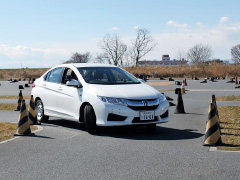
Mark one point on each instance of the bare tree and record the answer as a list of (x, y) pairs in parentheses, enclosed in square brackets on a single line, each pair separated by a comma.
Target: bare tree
[(199, 53), (113, 50), (79, 58), (143, 44), (235, 52)]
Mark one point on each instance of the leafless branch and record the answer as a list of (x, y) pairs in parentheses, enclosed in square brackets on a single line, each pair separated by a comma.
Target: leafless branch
[(113, 50), (79, 58), (199, 53), (143, 44), (235, 52)]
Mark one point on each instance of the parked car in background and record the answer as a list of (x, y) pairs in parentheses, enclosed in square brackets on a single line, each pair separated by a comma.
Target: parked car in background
[(98, 95)]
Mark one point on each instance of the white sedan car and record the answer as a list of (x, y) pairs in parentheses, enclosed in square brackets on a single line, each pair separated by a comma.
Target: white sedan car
[(98, 95)]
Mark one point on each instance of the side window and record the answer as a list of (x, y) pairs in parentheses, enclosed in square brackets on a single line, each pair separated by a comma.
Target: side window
[(53, 76), (68, 75), (46, 76)]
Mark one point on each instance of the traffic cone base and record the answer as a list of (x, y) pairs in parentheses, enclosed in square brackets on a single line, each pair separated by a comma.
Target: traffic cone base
[(171, 104)]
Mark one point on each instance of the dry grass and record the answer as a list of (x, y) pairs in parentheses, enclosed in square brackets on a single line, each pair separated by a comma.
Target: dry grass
[(9, 106), (158, 83), (187, 71), (8, 129), (228, 98), (15, 97), (230, 122), (6, 74), (159, 71), (161, 90)]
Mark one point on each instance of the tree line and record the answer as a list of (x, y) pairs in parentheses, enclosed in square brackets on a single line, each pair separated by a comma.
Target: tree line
[(115, 52)]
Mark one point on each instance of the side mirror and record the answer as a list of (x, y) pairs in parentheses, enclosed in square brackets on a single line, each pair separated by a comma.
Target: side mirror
[(74, 83)]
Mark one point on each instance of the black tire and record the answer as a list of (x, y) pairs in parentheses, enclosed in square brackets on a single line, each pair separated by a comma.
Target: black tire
[(90, 119), (40, 112), (151, 127)]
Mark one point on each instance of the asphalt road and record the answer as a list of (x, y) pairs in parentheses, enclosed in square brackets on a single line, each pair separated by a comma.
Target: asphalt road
[(64, 150)]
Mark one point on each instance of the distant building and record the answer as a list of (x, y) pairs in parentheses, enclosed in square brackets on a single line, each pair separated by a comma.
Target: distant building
[(164, 62)]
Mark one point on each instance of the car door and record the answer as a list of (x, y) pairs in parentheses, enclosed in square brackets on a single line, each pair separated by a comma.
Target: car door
[(49, 94), (69, 98)]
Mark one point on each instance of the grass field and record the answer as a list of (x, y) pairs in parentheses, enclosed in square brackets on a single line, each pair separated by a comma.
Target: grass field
[(15, 97), (230, 122), (10, 107), (228, 98), (8, 129), (217, 70)]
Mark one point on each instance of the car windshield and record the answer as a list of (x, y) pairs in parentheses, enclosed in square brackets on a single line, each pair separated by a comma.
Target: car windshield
[(107, 76)]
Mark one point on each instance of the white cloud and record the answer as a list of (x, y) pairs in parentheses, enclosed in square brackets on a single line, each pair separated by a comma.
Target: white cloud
[(199, 24), (136, 27), (30, 56), (224, 19), (115, 28), (175, 24), (20, 51), (221, 38)]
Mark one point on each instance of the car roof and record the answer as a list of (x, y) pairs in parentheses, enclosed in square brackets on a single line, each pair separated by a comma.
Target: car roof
[(77, 65)]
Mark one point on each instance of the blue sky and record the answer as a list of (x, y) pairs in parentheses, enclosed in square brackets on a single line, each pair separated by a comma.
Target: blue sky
[(43, 33)]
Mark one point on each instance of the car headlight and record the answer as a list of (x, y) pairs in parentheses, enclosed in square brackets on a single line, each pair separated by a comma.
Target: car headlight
[(162, 98), (112, 100)]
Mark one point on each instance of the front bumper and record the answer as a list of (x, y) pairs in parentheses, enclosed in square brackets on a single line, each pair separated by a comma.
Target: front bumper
[(123, 115)]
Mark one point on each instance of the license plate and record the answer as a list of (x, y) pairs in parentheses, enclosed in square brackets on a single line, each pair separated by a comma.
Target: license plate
[(147, 115)]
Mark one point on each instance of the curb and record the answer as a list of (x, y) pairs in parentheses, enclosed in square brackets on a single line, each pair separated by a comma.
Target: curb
[(8, 140), (212, 149)]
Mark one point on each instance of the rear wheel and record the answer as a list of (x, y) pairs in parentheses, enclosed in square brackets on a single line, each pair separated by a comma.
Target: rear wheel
[(40, 112), (90, 119)]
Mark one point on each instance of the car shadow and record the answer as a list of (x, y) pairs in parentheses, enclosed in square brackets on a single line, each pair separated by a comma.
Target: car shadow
[(141, 133), (65, 123), (132, 132)]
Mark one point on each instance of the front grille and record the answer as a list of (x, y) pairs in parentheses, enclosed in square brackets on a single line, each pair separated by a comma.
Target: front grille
[(115, 117), (137, 120), (143, 104), (165, 115), (140, 108)]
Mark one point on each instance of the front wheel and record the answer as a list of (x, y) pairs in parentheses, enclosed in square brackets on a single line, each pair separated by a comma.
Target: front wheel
[(90, 119), (40, 112)]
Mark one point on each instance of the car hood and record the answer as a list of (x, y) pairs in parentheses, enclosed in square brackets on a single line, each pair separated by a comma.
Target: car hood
[(129, 91)]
